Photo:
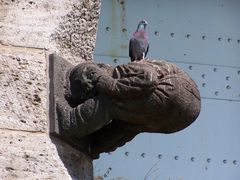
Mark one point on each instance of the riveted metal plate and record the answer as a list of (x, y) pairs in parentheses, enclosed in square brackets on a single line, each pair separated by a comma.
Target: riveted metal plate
[(203, 38)]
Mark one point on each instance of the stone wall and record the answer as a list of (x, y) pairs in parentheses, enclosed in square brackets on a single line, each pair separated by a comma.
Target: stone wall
[(29, 31)]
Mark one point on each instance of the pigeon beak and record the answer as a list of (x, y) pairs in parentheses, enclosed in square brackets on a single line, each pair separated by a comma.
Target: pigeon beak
[(144, 22)]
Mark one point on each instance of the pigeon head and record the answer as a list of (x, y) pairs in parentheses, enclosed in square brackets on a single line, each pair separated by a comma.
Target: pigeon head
[(142, 25)]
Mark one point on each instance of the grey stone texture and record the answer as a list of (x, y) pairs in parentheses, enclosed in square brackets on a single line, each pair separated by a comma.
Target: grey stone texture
[(30, 31), (23, 91), (29, 155), (67, 27)]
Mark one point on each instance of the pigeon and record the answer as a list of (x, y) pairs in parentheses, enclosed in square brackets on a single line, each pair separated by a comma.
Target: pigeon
[(138, 45)]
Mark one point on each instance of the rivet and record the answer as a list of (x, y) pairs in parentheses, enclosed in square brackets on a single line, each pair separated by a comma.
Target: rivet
[(126, 153), (188, 36), (156, 33), (238, 40), (190, 67), (203, 37), (229, 39), (238, 72), (235, 162), (216, 93), (124, 30), (219, 39), (172, 34), (176, 157), (108, 28), (160, 156), (115, 60), (192, 159), (228, 87), (215, 69), (204, 85), (208, 160), (224, 161), (203, 76), (143, 155), (122, 2), (184, 54), (227, 78)]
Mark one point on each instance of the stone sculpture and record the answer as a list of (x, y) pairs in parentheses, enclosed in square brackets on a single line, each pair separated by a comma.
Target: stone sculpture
[(110, 106)]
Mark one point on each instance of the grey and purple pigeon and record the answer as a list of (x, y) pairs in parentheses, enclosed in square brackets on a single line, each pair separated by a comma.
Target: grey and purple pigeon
[(138, 46)]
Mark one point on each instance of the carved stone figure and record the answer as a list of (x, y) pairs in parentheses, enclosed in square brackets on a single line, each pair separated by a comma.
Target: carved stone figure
[(112, 105)]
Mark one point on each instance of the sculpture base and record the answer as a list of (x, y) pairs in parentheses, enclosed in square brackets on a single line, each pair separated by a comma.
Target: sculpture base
[(58, 68)]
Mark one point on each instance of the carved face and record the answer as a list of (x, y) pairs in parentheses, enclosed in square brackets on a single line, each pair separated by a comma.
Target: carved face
[(83, 79)]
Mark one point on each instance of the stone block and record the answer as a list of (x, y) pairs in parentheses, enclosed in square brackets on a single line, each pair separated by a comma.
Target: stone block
[(25, 155), (67, 27), (23, 95)]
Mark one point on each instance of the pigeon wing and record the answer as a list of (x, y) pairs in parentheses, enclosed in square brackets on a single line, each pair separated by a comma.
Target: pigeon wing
[(131, 48), (147, 50)]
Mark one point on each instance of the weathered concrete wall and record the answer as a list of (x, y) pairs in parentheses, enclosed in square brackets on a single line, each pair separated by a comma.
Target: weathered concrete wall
[(29, 31)]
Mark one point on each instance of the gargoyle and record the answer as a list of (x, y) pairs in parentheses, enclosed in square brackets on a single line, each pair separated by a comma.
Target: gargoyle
[(110, 106)]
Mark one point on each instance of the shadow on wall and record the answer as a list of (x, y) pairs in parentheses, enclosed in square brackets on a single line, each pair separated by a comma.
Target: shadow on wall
[(78, 165)]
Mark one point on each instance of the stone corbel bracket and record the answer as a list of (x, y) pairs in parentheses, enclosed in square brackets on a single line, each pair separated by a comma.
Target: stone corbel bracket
[(96, 108), (58, 69)]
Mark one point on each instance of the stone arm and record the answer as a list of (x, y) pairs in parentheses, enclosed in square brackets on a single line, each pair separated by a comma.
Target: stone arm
[(128, 81)]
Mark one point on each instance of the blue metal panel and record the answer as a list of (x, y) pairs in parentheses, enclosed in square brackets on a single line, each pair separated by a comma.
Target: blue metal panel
[(197, 152), (203, 38), (189, 30)]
